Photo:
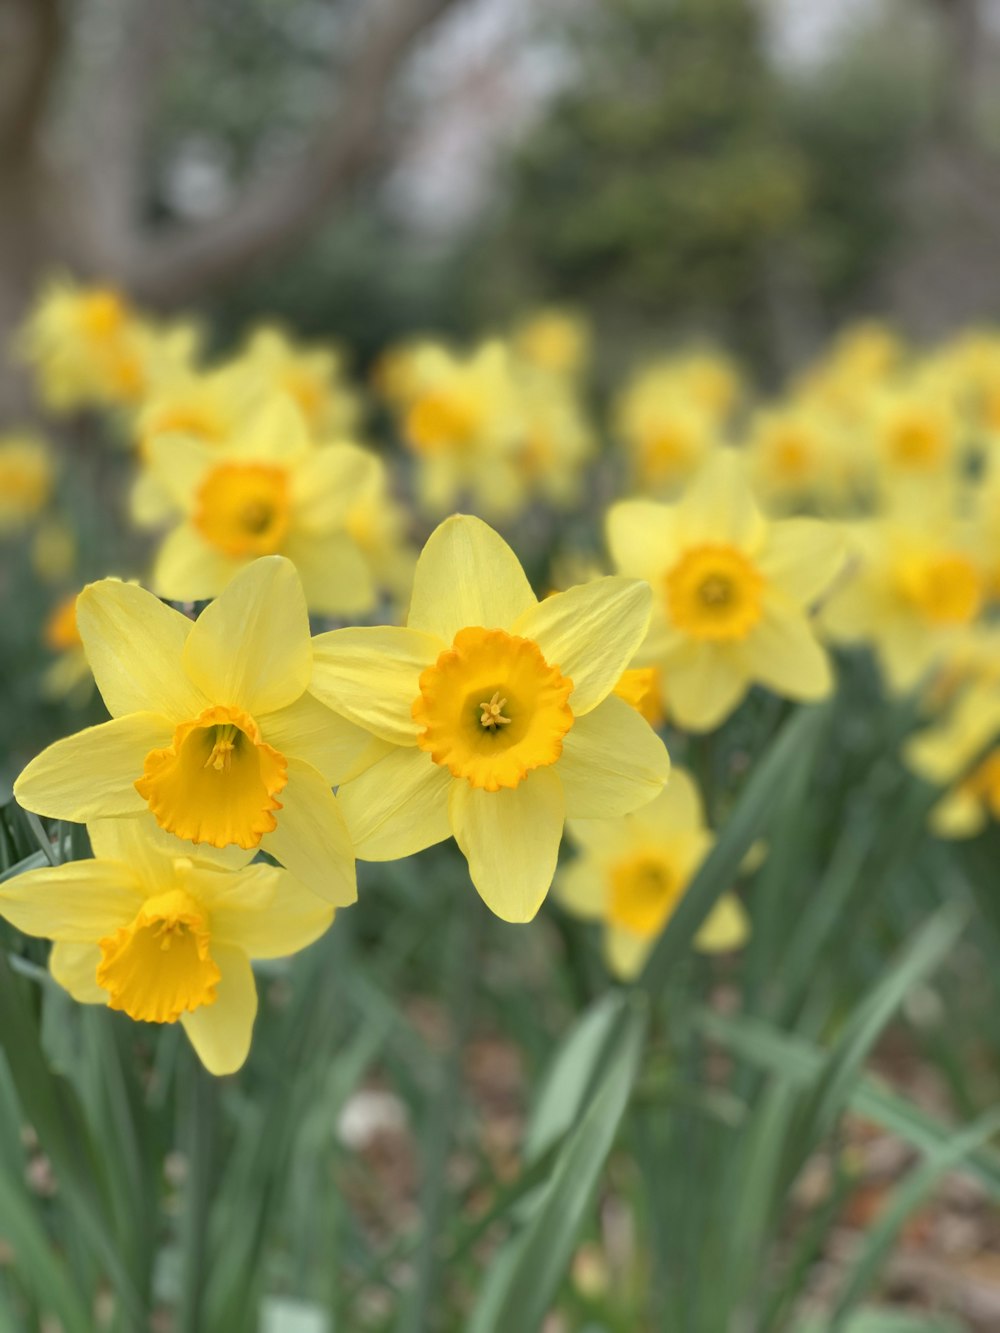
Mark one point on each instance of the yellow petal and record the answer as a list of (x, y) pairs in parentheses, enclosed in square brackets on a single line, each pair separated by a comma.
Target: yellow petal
[(327, 484), (467, 575), (311, 839), (612, 762), (372, 676), (335, 574), (727, 927), (150, 851), (220, 1032), (335, 747), (626, 952), (642, 538), (250, 649), (178, 463), (92, 774), (80, 901), (591, 633), (134, 645), (704, 684), (398, 806), (188, 569), (268, 914), (958, 815), (581, 888), (74, 967), (150, 502), (802, 557), (718, 506), (782, 652), (510, 839), (676, 811)]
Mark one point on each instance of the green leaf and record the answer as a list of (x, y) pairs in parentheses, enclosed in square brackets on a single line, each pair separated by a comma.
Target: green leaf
[(793, 1057), (525, 1276), (905, 1199), (788, 761), (868, 1020)]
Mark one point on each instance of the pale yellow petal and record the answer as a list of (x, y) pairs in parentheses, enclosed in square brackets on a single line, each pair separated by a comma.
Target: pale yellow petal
[(251, 648), (335, 574), (783, 653), (625, 952), (958, 815), (372, 676), (134, 645), (151, 851), (80, 901), (311, 839), (328, 482), (612, 762), (582, 889), (150, 502), (802, 557), (467, 575), (178, 464), (642, 538), (727, 927), (92, 775), (335, 747), (74, 967), (510, 839), (704, 683), (854, 611), (591, 633), (220, 1033), (677, 810), (718, 505), (398, 806), (188, 569), (290, 919)]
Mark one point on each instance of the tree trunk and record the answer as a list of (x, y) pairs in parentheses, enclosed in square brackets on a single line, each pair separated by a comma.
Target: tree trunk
[(29, 244)]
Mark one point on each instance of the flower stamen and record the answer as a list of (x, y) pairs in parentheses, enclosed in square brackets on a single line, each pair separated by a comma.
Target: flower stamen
[(493, 713)]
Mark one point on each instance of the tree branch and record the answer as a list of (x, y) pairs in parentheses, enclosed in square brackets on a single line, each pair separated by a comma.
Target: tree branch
[(116, 113), (31, 33), (282, 204)]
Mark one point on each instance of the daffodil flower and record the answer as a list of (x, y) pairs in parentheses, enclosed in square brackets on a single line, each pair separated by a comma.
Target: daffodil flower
[(959, 751), (165, 937), (271, 492), (500, 713), (27, 475), (214, 735), (733, 593), (632, 873), (918, 588)]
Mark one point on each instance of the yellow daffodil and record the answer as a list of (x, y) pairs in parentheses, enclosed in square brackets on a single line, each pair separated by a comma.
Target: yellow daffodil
[(273, 492), (166, 937), (69, 675), (631, 874), (500, 714), (556, 342), (312, 376), (960, 751), (917, 586), (667, 435), (90, 348), (916, 431), (553, 443), (215, 736), (459, 416), (792, 454), (732, 593), (27, 473)]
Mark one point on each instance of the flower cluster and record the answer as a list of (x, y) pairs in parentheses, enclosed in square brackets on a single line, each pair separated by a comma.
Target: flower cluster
[(744, 539)]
